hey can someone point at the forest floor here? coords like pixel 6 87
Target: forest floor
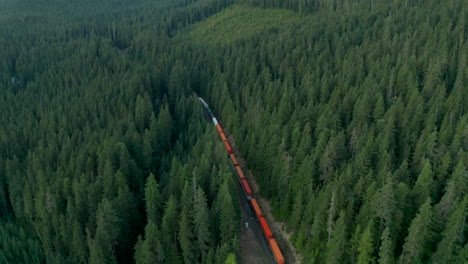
pixel 289 251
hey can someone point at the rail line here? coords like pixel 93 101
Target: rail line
pixel 249 194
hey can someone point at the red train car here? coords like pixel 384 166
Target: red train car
pixel 247 189
pixel 258 212
pixel 240 173
pixel 219 128
pixel 228 147
pixel 223 137
pixel 234 160
pixel 265 227
pixel 276 251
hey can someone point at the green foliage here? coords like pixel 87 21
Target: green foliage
pixel 18 246
pixel 107 231
pixel 201 223
pixel 347 94
pixel 365 247
pixel 186 236
pixel 450 248
pixel 337 244
pixel 152 199
pixel 151 250
pixel 386 250
pixel 350 114
pixel 420 236
pixel 236 24
pixel 92 124
pixel 423 186
pixel 231 259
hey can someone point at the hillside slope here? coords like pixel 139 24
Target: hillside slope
pixel 352 120
pixel 351 116
pixel 238 23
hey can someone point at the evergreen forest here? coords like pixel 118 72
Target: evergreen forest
pixel 350 115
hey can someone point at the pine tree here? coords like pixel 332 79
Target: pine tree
pixel 169 230
pixel 423 187
pixel 147 149
pixel 366 246
pixel 297 210
pixel 420 236
pixel 201 223
pixel 126 206
pixel 143 108
pixel 385 203
pixel 231 259
pixel 163 130
pixel 337 244
pixel 385 207
pixel 386 249
pixel 108 180
pixel 153 199
pixel 354 244
pixel 453 237
pixel 78 244
pixel 331 215
pixel 227 217
pixel 150 250
pixel 108 228
pixel 186 238
pixel 140 251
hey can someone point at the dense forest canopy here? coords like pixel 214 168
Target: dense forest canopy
pixel 98 142
pixel 351 115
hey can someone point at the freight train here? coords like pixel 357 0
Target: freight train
pixel 247 190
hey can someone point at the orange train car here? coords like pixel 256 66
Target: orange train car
pixel 233 159
pixel 276 251
pixel 265 227
pixel 228 147
pixel 219 128
pixel 247 189
pixel 223 137
pixel 258 212
pixel 240 173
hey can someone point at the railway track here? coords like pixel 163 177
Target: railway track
pixel 248 193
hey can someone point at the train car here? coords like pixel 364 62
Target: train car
pixel 223 137
pixel 276 251
pixel 219 128
pixel 265 227
pixel 247 189
pixel 212 115
pixel 204 103
pixel 258 212
pixel 240 173
pixel 228 147
pixel 233 159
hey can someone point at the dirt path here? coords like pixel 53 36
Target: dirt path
pixel 291 255
pixel 279 228
pixel 254 248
